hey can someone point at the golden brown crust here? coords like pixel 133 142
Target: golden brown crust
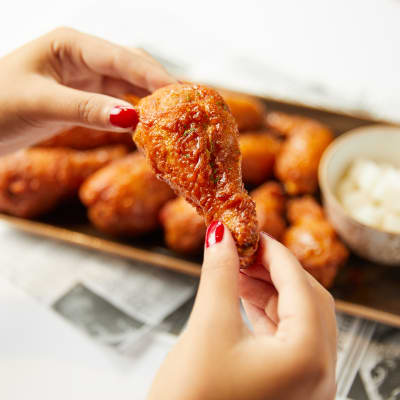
pixel 270 205
pixel 184 228
pixel 34 181
pixel 303 207
pixel 249 112
pixel 297 162
pixel 191 140
pixel 125 197
pixel 259 151
pixel 313 240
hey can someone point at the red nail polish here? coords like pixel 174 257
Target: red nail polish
pixel 124 117
pixel 215 233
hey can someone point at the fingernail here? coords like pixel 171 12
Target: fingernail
pixel 215 233
pixel 124 117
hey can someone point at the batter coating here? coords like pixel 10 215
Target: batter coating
pixel 184 229
pixel 34 181
pixel 271 206
pixel 249 113
pixel 297 162
pixel 313 240
pixel 125 197
pixel 191 140
pixel 259 151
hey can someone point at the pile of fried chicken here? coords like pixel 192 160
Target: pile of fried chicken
pixel 199 151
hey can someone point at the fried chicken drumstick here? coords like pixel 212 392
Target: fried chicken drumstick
pixel 34 181
pixel 184 229
pixel 191 140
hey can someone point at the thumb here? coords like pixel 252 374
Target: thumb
pixel 97 111
pixel 218 295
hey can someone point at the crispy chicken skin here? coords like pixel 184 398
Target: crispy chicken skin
pixel 81 138
pixel 191 140
pixel 271 206
pixel 184 228
pixel 259 151
pixel 34 181
pixel 249 113
pixel 125 197
pixel 297 162
pixel 313 241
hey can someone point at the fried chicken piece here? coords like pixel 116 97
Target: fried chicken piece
pixel 184 229
pixel 191 140
pixel 248 112
pixel 259 151
pixel 303 207
pixel 297 162
pixel 124 198
pixel 34 181
pixel 313 240
pixel 287 124
pixel 270 205
pixel 81 138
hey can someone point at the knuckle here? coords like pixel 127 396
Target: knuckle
pixel 87 110
pixel 115 59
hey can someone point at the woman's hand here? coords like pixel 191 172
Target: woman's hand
pixel 291 353
pixel 70 78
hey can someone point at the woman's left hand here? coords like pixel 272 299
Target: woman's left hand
pixel 70 78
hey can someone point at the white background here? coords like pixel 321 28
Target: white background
pixel 342 54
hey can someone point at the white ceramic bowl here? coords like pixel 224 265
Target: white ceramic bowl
pixel 379 143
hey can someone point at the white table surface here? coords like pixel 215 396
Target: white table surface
pixel 44 357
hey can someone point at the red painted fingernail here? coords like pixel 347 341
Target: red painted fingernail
pixel 124 117
pixel 215 233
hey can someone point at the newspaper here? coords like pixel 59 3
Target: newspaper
pixel 122 304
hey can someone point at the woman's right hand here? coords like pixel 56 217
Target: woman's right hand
pixel 291 353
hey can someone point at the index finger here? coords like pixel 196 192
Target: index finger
pixel 109 59
pixel 297 308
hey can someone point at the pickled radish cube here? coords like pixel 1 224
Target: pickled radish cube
pixel 391 222
pixel 346 187
pixel 368 214
pixel 365 174
pixel 387 188
pixel 354 200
